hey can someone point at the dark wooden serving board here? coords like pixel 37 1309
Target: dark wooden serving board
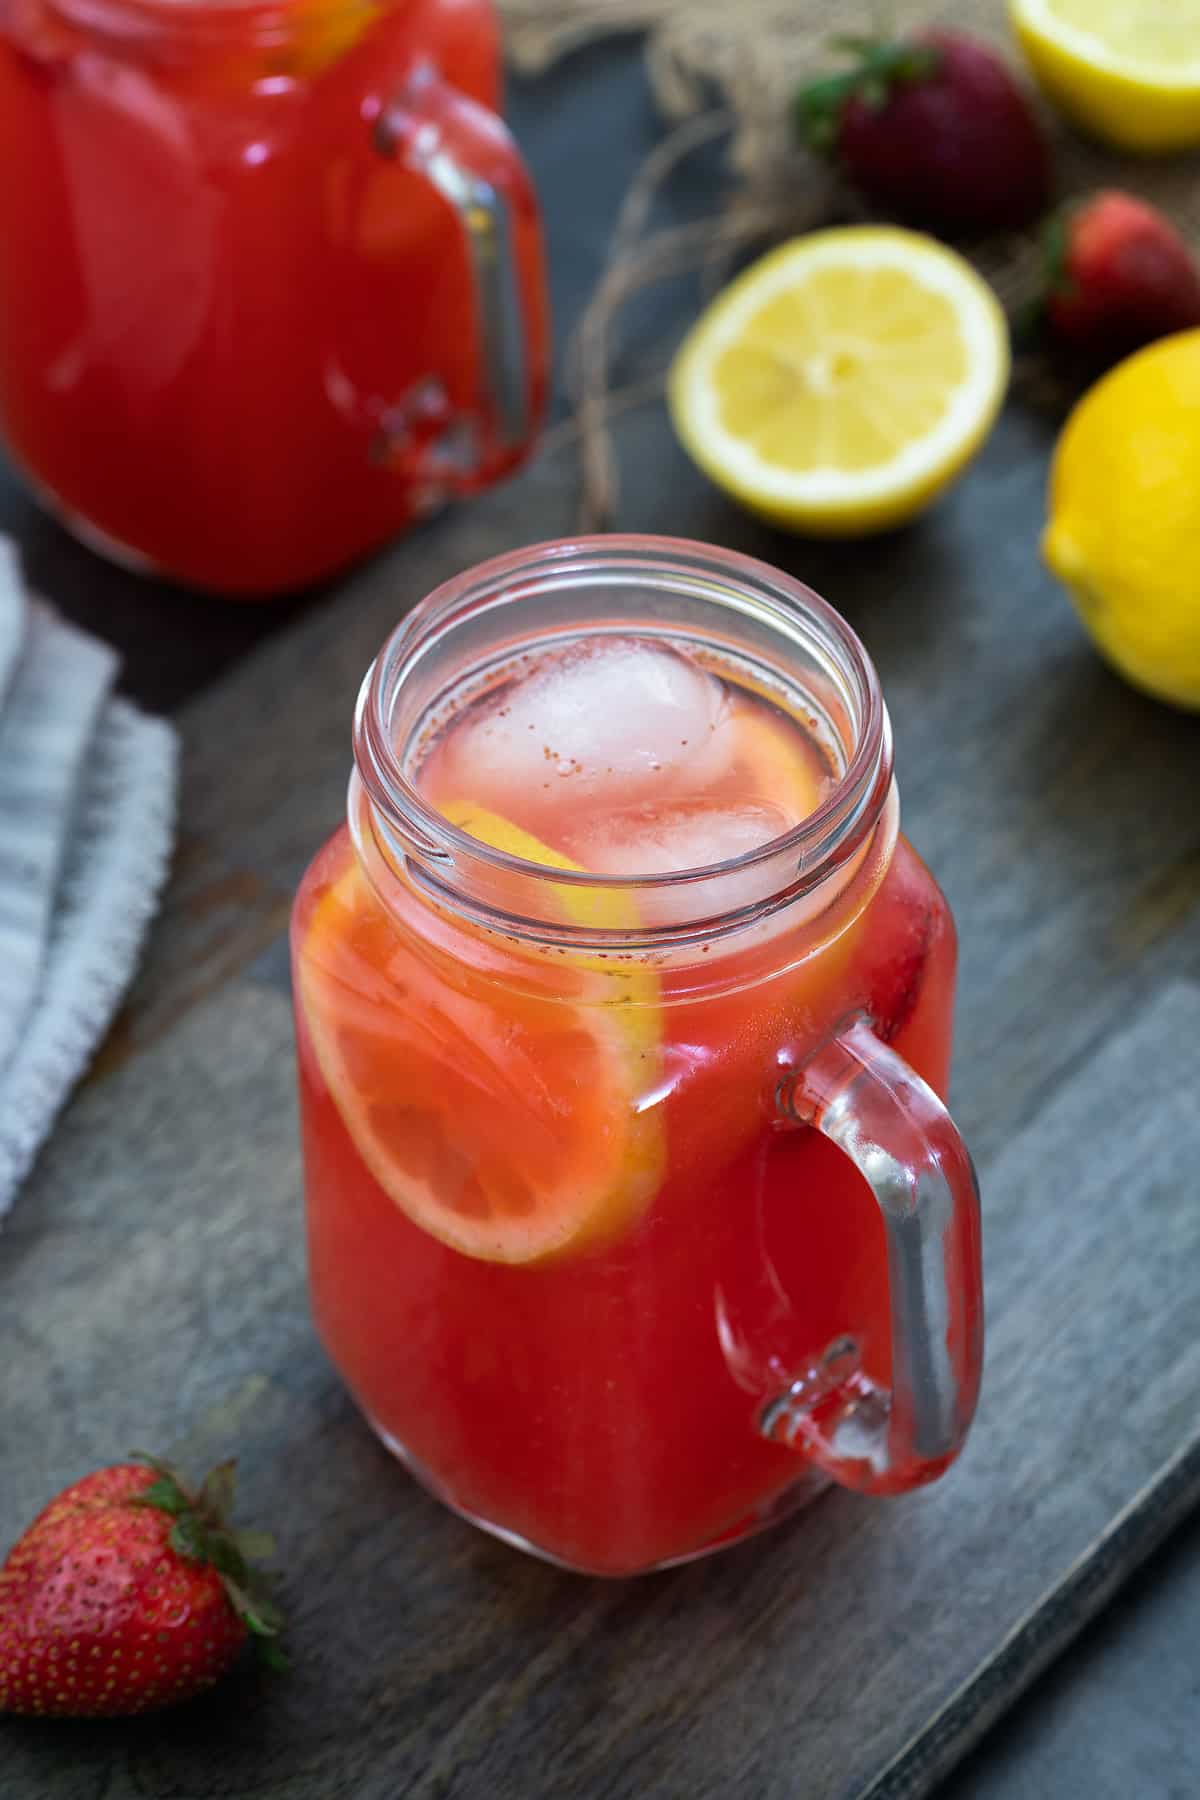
pixel 151 1279
pixel 154 1291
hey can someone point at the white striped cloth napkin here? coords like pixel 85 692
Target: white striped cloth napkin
pixel 87 806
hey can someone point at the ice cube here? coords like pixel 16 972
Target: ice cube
pixel 664 840
pixel 605 723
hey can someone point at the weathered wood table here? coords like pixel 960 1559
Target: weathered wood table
pixel 151 1276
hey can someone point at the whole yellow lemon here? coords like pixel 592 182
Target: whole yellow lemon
pixel 1124 517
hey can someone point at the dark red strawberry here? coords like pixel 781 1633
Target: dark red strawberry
pixel 1118 275
pixel 933 128
pixel 903 947
pixel 129 1591
pixel 897 985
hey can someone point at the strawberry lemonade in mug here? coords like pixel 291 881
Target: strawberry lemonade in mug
pixel 623 1016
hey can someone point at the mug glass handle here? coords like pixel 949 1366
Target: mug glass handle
pixel 465 153
pixel 892 1126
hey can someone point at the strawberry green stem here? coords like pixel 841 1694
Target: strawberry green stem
pixel 879 67
pixel 202 1533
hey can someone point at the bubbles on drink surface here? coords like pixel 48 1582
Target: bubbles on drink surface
pixel 630 757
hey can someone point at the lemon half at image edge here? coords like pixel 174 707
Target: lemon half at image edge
pixel 1123 531
pixel 1126 71
pixel 841 383
pixel 504 1123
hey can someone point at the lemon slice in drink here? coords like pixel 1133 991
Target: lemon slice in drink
pixel 629 989
pixel 772 759
pixel 504 1122
pixel 841 383
pixel 1124 69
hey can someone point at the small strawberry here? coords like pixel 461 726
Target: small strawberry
pixel 896 953
pixel 1118 275
pixel 129 1591
pixel 896 987
pixel 932 128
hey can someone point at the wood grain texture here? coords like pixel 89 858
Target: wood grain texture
pixel 151 1282
pixel 1115 1716
pixel 1052 803
pixel 854 1652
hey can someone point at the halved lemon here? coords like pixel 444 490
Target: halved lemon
pixel 839 384
pixel 1124 69
pixel 504 1123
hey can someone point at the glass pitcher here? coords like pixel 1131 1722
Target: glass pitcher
pixel 270 275
pixel 634 1209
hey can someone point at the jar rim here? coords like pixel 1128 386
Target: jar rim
pixel 821 843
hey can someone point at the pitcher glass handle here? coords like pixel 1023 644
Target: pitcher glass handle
pixel 465 152
pixel 892 1126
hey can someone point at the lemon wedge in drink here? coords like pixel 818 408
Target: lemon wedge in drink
pixel 1123 69
pixel 842 382
pixel 501 1118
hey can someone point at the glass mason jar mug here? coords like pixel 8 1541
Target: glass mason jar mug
pixel 270 275
pixel 623 1012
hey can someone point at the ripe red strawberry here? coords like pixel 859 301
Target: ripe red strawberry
pixel 934 129
pixel 896 986
pixel 896 953
pixel 1118 275
pixel 127 1592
